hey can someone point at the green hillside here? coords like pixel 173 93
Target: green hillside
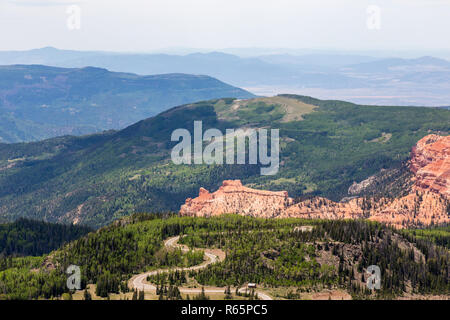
pixel 29 237
pixel 325 147
pixel 38 102
pixel 285 263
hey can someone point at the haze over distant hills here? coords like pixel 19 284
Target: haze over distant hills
pixel 354 77
pixel 38 102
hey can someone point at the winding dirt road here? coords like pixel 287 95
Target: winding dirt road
pixel 139 281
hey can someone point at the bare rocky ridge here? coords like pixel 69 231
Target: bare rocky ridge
pixel 428 202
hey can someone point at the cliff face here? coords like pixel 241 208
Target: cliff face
pixel 428 203
pixel 430 162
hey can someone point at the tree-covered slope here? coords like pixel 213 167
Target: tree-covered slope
pixel 29 237
pixel 329 255
pixel 38 102
pixel 325 147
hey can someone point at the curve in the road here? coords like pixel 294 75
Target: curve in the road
pixel 139 282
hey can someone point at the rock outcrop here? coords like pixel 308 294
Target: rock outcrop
pixel 430 163
pixel 414 210
pixel 233 197
pixel 428 203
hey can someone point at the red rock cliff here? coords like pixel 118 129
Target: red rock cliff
pixel 233 197
pixel 428 203
pixel 430 162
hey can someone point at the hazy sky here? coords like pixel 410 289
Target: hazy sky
pixel 148 25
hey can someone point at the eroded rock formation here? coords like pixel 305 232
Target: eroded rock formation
pixel 233 197
pixel 414 210
pixel 430 162
pixel 428 203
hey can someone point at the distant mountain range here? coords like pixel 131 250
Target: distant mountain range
pixel 38 102
pixel 273 69
pixel 361 79
pixel 423 64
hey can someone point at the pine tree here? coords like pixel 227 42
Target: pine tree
pixel 87 295
pixel 228 295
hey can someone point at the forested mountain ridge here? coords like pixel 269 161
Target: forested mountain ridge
pixel 326 146
pixel 287 258
pixel 38 102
